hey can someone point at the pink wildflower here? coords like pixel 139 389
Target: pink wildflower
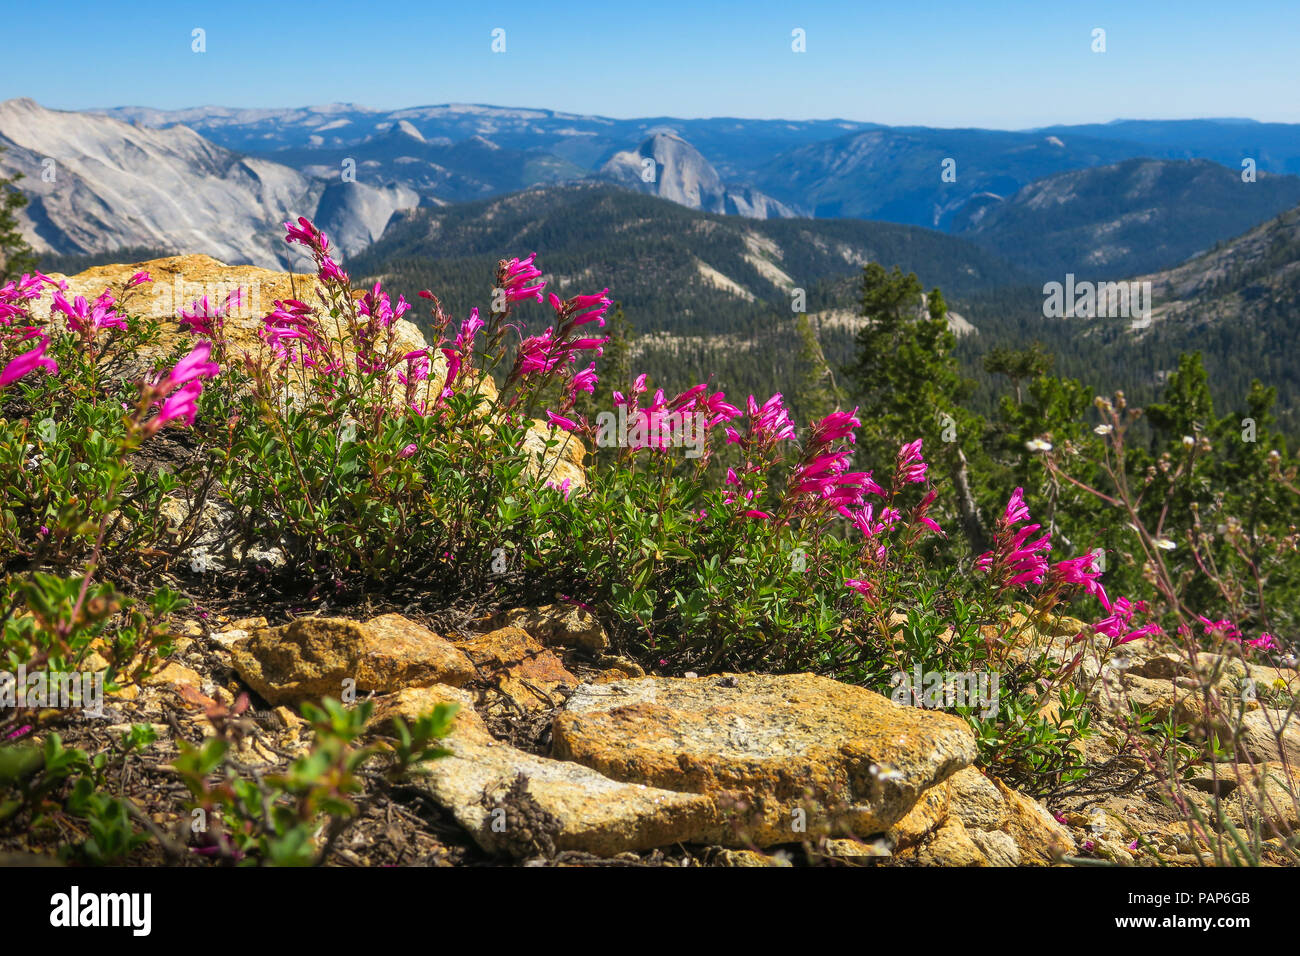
pixel 1265 642
pixel 515 277
pixel 1078 570
pixel 911 467
pixel 180 390
pixel 86 319
pixel 919 514
pixel 203 318
pixel 559 421
pixel 27 363
pixel 1015 561
pixel 1118 625
pixel 583 381
pixel 1221 628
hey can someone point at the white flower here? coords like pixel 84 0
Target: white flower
pixel 1188 441
pixel 1104 429
pixel 1164 544
pixel 1038 444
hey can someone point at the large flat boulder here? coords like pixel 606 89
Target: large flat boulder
pixel 782 756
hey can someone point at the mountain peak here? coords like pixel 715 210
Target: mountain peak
pixel 406 127
pixel 667 166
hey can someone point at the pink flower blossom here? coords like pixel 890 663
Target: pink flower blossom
pixel 581 309
pixel 181 404
pixel 468 329
pixel 28 362
pixel 1221 628
pixel 1118 624
pixel 538 354
pixel 191 368
pixel 1265 642
pixel 86 319
pixel 330 272
pixel 1015 561
pixel 515 277
pixel 1016 510
pixel 306 234
pixel 294 334
pixel 203 318
pixel 919 514
pixel 417 367
pixel 1078 570
pixel 862 587
pixel 911 467
pixel 559 421
pixel 375 304
pixel 719 409
pixel 583 381
pixel 768 424
pixel 836 426
pixel 180 390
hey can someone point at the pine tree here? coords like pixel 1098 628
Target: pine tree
pixel 1019 365
pixel 908 384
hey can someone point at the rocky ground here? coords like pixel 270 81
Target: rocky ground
pixel 562 753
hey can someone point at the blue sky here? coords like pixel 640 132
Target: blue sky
pixel 994 64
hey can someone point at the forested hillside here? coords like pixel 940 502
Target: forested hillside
pixel 673 269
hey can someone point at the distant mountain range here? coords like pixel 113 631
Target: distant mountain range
pixel 1236 279
pixel 830 168
pixel 733 145
pixel 705 230
pixel 1064 198
pixel 1237 304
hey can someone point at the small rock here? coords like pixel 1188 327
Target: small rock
pixel 565 625
pixel 312 657
pixel 949 845
pixel 288 719
pixel 999 848
pixel 174 673
pixel 976 800
pixel 520 667
pixel 847 849
pixel 925 817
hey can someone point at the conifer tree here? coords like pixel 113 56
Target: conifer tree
pixel 908 385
